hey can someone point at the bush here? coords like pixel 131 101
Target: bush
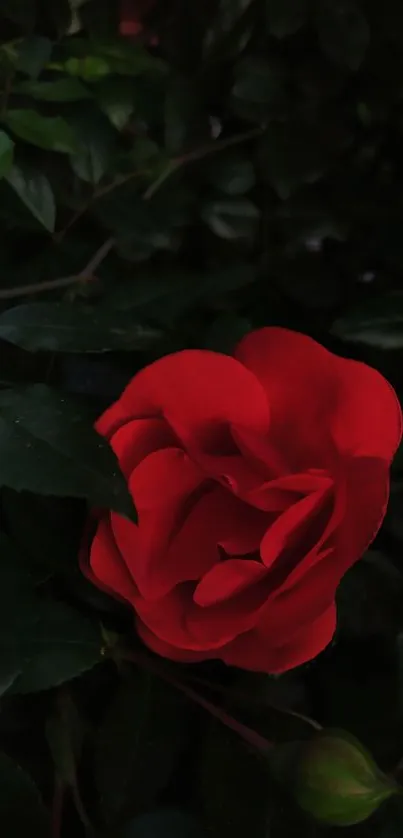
pixel 173 175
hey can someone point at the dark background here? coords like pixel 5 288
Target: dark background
pixel 242 161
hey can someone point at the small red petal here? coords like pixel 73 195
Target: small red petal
pixel 228 579
pixel 260 651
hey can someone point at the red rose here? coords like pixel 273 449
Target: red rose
pixel 258 480
pixel 132 13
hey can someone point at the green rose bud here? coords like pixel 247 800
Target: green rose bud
pixel 338 782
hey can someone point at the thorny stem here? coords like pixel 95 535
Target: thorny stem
pixel 272 704
pixel 63 282
pixel 258 742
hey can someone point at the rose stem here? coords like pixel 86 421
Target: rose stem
pixel 250 736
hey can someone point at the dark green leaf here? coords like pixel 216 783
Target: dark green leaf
pixel 369 598
pixel 35 191
pixel 232 219
pixel 6 154
pixel 22 812
pixel 225 332
pixel 33 54
pixel 131 59
pixel 9 671
pixel 343 32
pixel 22 12
pixel 259 90
pixel 90 68
pixel 14 579
pixel 64 733
pixel 116 98
pixel 172 294
pixel 285 17
pixel 166 823
pixel 48 446
pixel 235 786
pixel 292 154
pixel 140 739
pixel 35 522
pixel 377 322
pixel 68 327
pixel 93 61
pixel 42 643
pixel 228 16
pixel 146 153
pixel 186 123
pixel 63 16
pixel 94 146
pixel 55 644
pixel 232 173
pixel 52 133
pixel 59 90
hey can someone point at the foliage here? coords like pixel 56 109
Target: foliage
pixel 237 164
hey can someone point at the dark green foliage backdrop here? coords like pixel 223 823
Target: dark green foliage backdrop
pixel 246 169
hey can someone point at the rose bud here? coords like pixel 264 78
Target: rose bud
pixel 338 782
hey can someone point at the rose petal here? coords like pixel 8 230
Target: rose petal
pixel 280 494
pixel 138 438
pixel 200 393
pixel 310 389
pixel 227 579
pixel 107 565
pixel 164 477
pixel 297 602
pixel 261 651
pixel 161 486
pixel 288 531
pixel 367 495
pixel 178 621
pixel 166 650
pixel 171 546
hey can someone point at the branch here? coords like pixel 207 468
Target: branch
pixel 252 737
pixel 199 154
pixel 89 270
pixel 57 808
pixel 63 282
pixel 173 166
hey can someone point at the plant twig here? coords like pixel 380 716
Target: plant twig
pixel 173 166
pixel 262 702
pixel 81 811
pixel 199 154
pixel 258 742
pixel 57 808
pixel 120 180
pixel 63 282
pixel 58 237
